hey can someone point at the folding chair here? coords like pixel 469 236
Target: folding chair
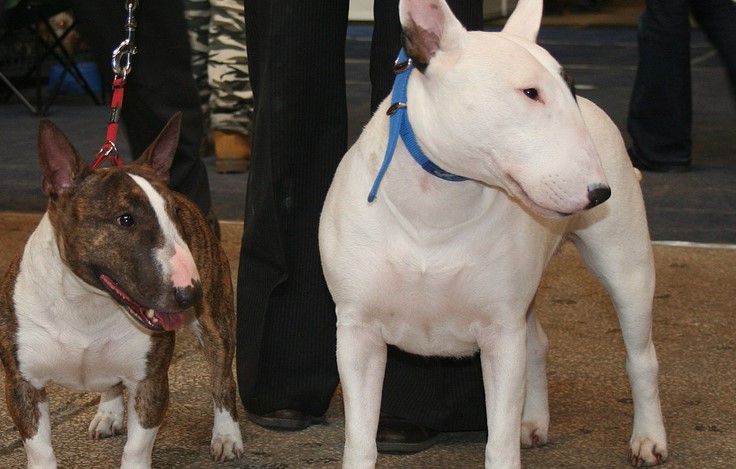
pixel 29 14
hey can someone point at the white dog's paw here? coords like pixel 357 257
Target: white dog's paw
pixel 533 434
pixel 226 447
pixel 647 452
pixel 105 424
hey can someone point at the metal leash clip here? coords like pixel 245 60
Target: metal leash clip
pixel 122 55
pixel 122 63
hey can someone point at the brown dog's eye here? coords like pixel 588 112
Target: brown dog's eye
pixel 126 220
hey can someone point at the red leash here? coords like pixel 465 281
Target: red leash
pixel 121 67
pixel 109 151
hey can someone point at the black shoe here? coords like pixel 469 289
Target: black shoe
pixel 399 436
pixel 657 166
pixel 285 419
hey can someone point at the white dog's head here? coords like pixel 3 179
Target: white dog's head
pixel 505 108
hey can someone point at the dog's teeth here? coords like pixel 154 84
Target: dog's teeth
pixel 150 313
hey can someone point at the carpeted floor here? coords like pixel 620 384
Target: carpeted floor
pixel 589 395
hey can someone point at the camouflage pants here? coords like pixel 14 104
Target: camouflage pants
pixel 220 62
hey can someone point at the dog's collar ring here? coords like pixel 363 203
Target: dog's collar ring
pixel 395 107
pixel 401 67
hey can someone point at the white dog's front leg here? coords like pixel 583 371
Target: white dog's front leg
pixel 139 446
pixel 535 418
pixel 503 358
pixel 361 362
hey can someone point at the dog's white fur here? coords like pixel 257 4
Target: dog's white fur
pixel 447 268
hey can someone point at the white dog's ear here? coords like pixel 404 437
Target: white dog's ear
pixel 428 26
pixel 160 153
pixel 526 19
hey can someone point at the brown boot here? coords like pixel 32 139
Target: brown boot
pixel 232 151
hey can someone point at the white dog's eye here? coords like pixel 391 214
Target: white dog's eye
pixel 532 93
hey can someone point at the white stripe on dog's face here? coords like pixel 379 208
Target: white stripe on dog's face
pixel 175 256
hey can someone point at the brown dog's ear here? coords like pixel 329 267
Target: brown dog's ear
pixel 61 166
pixel 160 153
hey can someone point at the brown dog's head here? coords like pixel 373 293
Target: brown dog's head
pixel 118 229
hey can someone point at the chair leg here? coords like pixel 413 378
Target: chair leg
pixel 17 92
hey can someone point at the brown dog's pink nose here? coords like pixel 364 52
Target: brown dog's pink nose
pixel 597 194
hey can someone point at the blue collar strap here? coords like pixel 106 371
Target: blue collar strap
pixel 399 125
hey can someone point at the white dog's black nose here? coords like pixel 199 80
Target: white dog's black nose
pixel 597 194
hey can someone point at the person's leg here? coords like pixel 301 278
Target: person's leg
pixel 159 85
pixel 717 18
pixel 286 318
pixel 660 111
pixel 197 14
pixel 444 394
pixel 231 101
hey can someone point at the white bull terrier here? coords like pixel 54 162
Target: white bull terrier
pixel 447 261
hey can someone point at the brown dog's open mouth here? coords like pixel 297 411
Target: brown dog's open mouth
pixel 157 321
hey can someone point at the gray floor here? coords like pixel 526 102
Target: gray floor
pixel 591 410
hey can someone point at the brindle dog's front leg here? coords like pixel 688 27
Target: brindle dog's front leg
pixel 147 403
pixel 29 409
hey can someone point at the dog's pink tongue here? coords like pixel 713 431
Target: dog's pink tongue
pixel 171 321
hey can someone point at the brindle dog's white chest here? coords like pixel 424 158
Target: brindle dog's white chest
pixel 69 332
pixel 79 362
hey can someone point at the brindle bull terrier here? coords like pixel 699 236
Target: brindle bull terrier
pixel 116 265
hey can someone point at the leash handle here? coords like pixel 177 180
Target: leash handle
pixel 122 64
